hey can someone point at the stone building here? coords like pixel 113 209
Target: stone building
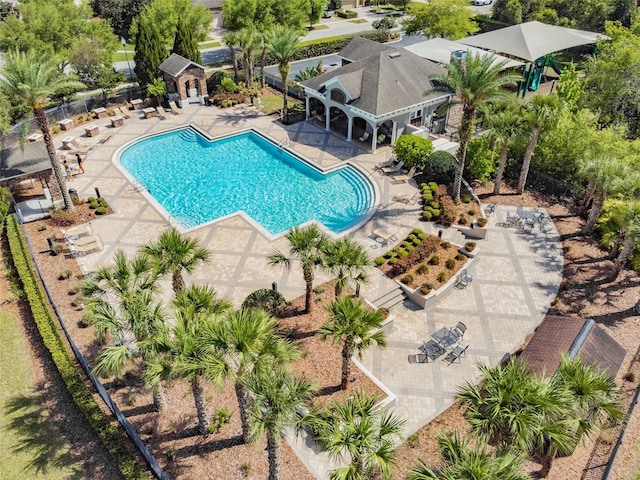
pixel 185 79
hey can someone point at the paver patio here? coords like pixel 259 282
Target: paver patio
pixel 516 275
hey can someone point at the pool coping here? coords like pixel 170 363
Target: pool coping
pixel 115 159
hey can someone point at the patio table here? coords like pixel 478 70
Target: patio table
pixel 445 337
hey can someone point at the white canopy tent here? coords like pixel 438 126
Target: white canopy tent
pixel 440 50
pixel 531 40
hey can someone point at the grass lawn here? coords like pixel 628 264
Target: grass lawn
pixel 120 56
pixel 319 26
pixel 211 44
pixel 358 20
pixel 271 103
pixel 29 445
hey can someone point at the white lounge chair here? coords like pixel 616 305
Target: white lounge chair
pixel 174 108
pixel 122 112
pixel 393 168
pixel 162 113
pixel 406 177
pixel 78 231
pixel 365 136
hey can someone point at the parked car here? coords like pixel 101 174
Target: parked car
pixel 329 13
pixel 482 2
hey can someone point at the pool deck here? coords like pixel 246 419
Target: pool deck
pixel 516 275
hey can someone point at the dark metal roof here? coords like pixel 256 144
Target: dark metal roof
pixel 360 48
pixel 176 64
pixel 21 161
pixel 389 80
pixel 575 336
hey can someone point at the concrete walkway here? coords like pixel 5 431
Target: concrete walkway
pixel 516 275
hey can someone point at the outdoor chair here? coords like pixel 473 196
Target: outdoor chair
pixel 388 163
pixel 174 108
pixel 392 169
pixel 121 112
pixel 463 280
pixel 365 136
pixel 80 147
pixel 512 220
pixel 78 231
pixel 459 330
pixel 432 349
pixel 418 358
pixel 162 113
pixel 455 354
pixel 405 177
pixel 85 240
pixel 489 209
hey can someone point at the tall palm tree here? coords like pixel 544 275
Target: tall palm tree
pixel 32 78
pixel 604 174
pixel 283 43
pixel 476 80
pixel 347 260
pixel 355 327
pixel 360 432
pixel 248 343
pixel 120 300
pixel 513 407
pixel 248 43
pixel 230 39
pixel 505 123
pixel 540 110
pixel 175 254
pixel 305 245
pixel 628 236
pixel 184 353
pixel 465 462
pixel 278 401
pixel 157 88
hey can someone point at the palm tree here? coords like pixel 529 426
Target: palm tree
pixel 32 78
pixel 347 260
pixel 283 43
pixel 305 245
pixel 476 80
pixel 360 432
pixel 355 327
pixel 541 109
pixel 628 236
pixel 464 462
pixel 183 352
pixel 120 301
pixel 595 400
pixel 227 86
pixel 230 39
pixel 505 123
pixel 203 299
pixel 248 41
pixel 514 408
pixel 278 401
pixel 604 174
pixel 248 343
pixel 157 88
pixel 174 253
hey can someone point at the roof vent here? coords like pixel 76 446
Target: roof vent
pixel 394 55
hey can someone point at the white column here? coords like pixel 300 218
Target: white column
pixel 307 107
pixel 374 139
pixel 349 128
pixel 394 131
pixel 327 118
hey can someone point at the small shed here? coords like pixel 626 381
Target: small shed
pixel 574 336
pixel 185 80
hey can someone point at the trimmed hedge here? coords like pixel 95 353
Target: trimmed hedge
pixel 73 378
pixel 347 14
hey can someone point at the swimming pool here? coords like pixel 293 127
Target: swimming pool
pixel 198 181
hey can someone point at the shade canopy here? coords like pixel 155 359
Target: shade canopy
pixel 532 40
pixel 23 161
pixel 440 50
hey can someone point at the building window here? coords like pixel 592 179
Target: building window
pixel 338 96
pixel 416 118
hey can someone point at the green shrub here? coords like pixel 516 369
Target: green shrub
pixel 471 211
pixel 65 274
pixel 427 197
pixel 422 236
pixel 91 199
pixel 462 220
pixel 416 241
pixel 318 289
pixel 393 260
pixel 411 237
pixel 422 269
pixel 380 261
pixel 403 253
pixel 405 244
pixel 417 231
pixel 389 254
pixel 426 215
pixel 460 257
pixel 436 213
pixel 441 166
pixel 409 248
pixel 73 378
pixel 466 198
pixel 434 260
pixel 433 186
pixel 269 300
pixel 412 150
pixel 103 202
pixel 442 277
pixel 450 263
pixel 480 161
pixel 434 205
pixel 446 245
pixel 93 205
pixel 347 14
pixel 407 279
pixel 101 210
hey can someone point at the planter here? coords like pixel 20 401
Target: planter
pixel 470 246
pixel 481 222
pixel 426 289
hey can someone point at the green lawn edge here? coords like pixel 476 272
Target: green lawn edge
pixel 73 378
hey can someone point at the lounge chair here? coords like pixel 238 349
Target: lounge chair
pixel 85 240
pixel 78 231
pixel 162 113
pixel 104 138
pixel 87 248
pixel 365 136
pixel 418 358
pixel 122 112
pixel 392 169
pixel 463 280
pixel 174 108
pixel 455 354
pixel 406 177
pixel 78 147
pixel 388 163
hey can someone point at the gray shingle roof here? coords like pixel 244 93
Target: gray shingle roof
pixel 20 161
pixel 360 48
pixel 176 64
pixel 389 80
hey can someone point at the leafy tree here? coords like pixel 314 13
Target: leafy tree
pixel 264 14
pixel 360 432
pixel 584 14
pixel 283 44
pixel 31 78
pixel 347 260
pixel 481 160
pixel 306 246
pixel 355 327
pixel 384 23
pixel 540 111
pixel 465 462
pixel 175 254
pixel 5 112
pixel 441 18
pixel 278 400
pixel 475 81
pixel 316 7
pixel 441 167
pixel 158 89
pixel 249 345
pixel 414 151
pixel 150 51
pixel 119 13
pixel 91 60
pixel 570 87
pixel 184 43
pixel 232 41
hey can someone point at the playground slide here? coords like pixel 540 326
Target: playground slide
pixel 554 65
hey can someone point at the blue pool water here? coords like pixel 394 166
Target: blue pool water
pixel 198 181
